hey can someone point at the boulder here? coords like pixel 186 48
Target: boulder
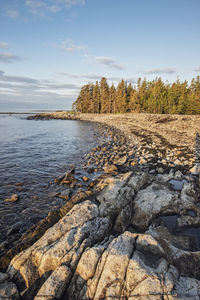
pixel 62 244
pixel 130 266
pixel 157 199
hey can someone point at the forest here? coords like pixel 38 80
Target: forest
pixel 153 96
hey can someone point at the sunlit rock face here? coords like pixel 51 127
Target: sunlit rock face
pixel 119 244
pixel 130 266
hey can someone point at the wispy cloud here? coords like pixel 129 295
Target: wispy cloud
pixel 103 60
pixel 159 71
pixel 9 57
pixel 94 77
pixel 70 46
pixel 108 61
pixel 11 13
pixel 20 85
pixel 41 8
pixel 4 45
pixel 70 3
pixel 197 69
pixel 82 76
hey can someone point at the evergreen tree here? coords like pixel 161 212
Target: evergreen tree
pixel 121 99
pixel 147 96
pixel 104 92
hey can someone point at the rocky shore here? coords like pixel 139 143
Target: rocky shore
pixel 130 231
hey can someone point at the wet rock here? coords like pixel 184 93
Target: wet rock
pixel 65 194
pixel 53 194
pixel 14 228
pixel 60 178
pixel 13 198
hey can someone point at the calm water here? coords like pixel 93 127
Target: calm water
pixel 32 154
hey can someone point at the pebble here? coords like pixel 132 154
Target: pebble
pixel 13 198
pixel 160 170
pixel 110 168
pixel 85 178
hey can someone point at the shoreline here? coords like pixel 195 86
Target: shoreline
pixel 123 159
pixel 164 136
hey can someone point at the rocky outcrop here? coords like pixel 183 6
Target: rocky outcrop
pixel 118 244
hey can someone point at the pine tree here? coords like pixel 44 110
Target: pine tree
pixel 104 92
pixel 121 99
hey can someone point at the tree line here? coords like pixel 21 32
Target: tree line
pixel 153 96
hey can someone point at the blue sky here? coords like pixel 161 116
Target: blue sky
pixel 50 48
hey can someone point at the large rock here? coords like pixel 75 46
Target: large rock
pixel 89 254
pixel 131 266
pixel 62 244
pixel 157 199
pixel 116 198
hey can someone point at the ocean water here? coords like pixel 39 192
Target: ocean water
pixel 32 154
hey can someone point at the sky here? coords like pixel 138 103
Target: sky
pixel 50 48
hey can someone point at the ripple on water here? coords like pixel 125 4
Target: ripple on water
pixel 32 154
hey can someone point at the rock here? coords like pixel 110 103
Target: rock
pixel 129 266
pixel 62 244
pixel 14 228
pixel 142 161
pixel 8 291
pixel 177 162
pixel 85 178
pixel 55 285
pixel 133 163
pixel 91 170
pixel 121 161
pixel 157 199
pixel 160 170
pixel 110 169
pixel 53 194
pixel 13 198
pixel 116 198
pixel 195 170
pixel 65 194
pixel 60 178
pixel 3 277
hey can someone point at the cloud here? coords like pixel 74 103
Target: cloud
pixel 159 71
pixel 69 46
pixel 70 3
pixel 82 76
pixel 54 8
pixel 108 61
pixel 41 8
pixel 197 69
pixel 12 13
pixel 3 45
pixel 8 57
pixel 28 86
pixel 98 77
